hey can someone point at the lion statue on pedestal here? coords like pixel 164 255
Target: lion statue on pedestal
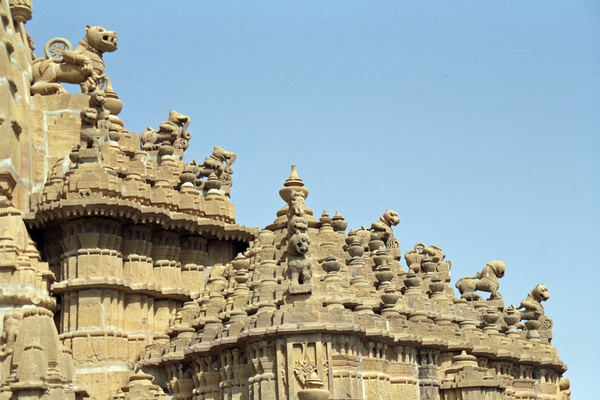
pixel 485 281
pixel 172 132
pixel 83 66
pixel 532 306
pixel 383 227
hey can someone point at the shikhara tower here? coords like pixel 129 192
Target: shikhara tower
pixel 124 275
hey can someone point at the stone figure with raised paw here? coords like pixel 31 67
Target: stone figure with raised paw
pixel 83 66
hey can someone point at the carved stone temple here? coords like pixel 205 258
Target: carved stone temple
pixel 125 275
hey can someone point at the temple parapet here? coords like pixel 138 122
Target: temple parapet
pixel 124 275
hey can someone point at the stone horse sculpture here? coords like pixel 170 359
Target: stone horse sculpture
pixel 83 66
pixel 486 281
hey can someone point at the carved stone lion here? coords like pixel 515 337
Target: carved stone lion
pixel 297 224
pixel 532 306
pixel 173 132
pixel 214 163
pixel 485 281
pixel 384 228
pixel 89 133
pixel 298 258
pixel 83 66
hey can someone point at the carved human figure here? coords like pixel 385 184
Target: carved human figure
pixel 486 281
pixel 83 66
pixel 12 323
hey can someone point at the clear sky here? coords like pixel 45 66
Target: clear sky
pixel 477 121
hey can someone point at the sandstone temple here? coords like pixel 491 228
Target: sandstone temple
pixel 125 275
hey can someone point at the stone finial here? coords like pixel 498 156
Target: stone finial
pixel 293 183
pixel 338 223
pixel 486 281
pixel 22 10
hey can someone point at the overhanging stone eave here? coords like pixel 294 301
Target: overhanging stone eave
pixel 52 213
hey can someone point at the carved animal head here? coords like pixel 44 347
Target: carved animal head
pixel 89 115
pixel 299 244
pixel 438 252
pixel 98 98
pixel 391 218
pixel 297 224
pixel 498 267
pixel 540 293
pixel 177 118
pixel 100 39
pixel 296 196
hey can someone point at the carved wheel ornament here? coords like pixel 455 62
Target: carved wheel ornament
pixel 55 48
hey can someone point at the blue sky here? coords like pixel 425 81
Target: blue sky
pixel 476 121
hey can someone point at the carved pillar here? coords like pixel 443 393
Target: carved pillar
pixel 374 370
pixel 343 367
pixel 427 370
pixel 402 373
pixel 22 11
pixel 136 248
pixel 165 255
pixel 193 257
pixel 53 250
pixel 93 302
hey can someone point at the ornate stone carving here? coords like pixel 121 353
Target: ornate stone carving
pixel 213 165
pixel 172 132
pixel 83 66
pixel 384 227
pixel 299 261
pixel 11 325
pixel 427 259
pixel 148 279
pixel 533 309
pixel 381 230
pixel 89 133
pixel 486 281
